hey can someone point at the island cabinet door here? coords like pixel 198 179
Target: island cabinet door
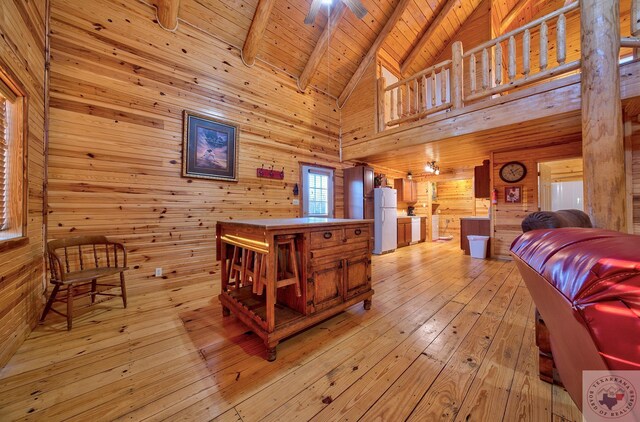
pixel 358 276
pixel 325 286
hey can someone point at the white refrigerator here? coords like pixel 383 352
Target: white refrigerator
pixel 385 214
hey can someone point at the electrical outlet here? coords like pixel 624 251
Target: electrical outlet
pixel 295 202
pixel 158 272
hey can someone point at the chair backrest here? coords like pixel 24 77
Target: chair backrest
pixel 83 252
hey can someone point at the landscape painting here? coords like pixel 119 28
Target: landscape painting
pixel 210 148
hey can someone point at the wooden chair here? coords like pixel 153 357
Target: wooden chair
pixel 78 261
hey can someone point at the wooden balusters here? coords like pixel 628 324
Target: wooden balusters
pixel 472 73
pixel 457 75
pixel 392 105
pixel 443 86
pixel 433 88
pixel 382 110
pixel 498 66
pixel 512 59
pixel 485 69
pixel 424 93
pixel 561 40
pixel 544 31
pixel 526 53
pixel 416 96
pixel 407 99
pixel 635 24
pixel 399 102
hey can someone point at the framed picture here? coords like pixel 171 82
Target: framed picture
pixel 209 148
pixel 513 194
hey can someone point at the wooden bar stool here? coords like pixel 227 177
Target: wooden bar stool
pixel 287 273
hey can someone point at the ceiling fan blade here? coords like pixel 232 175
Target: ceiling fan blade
pixel 356 7
pixel 313 11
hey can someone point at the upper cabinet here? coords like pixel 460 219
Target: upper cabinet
pixel 482 180
pixel 407 190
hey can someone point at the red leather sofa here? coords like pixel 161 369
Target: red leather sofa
pixel 586 285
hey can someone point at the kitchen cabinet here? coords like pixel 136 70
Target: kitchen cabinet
pixel 482 180
pixel 358 192
pixel 480 226
pixel 407 190
pixel 404 231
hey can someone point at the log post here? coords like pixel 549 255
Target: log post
pixel 602 132
pixel 167 14
pixel 382 109
pixel 635 24
pixel 457 76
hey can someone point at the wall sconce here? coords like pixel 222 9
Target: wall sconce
pixel 295 190
pixel 409 176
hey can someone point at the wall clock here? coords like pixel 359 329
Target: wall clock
pixel 513 171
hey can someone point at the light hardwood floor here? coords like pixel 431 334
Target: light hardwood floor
pixel 448 338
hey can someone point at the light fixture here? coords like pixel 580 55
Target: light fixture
pixel 409 176
pixel 327 2
pixel 432 167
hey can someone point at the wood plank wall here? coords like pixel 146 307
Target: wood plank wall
pixel 119 84
pixel 508 217
pixel 22 46
pixel 359 112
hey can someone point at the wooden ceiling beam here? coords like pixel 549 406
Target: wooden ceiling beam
pixel 321 46
pixel 256 31
pixel 513 13
pixel 391 23
pixel 167 14
pixel 431 29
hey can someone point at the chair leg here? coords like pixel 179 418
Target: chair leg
pixel 123 289
pixel 69 306
pixel 52 298
pixel 93 291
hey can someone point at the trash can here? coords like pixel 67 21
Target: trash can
pixel 478 246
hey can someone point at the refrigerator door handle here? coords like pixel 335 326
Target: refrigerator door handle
pixel 383 214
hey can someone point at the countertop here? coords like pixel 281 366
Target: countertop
pixel 475 218
pixel 282 223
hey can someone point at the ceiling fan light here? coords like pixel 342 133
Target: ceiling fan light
pixel 437 172
pixel 327 2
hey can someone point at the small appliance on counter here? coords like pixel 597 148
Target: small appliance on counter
pixel 411 211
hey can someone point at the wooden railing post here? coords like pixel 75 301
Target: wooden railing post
pixel 457 76
pixel 635 24
pixel 382 109
pixel 602 133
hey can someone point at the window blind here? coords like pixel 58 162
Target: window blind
pixel 3 163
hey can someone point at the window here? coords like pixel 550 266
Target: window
pixel 12 159
pixel 317 188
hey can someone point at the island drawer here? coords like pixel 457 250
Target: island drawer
pixel 327 237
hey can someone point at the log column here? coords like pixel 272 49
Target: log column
pixel 602 132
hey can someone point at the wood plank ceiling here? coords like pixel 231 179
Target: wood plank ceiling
pixel 288 44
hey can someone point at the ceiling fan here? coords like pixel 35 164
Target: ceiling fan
pixel 356 7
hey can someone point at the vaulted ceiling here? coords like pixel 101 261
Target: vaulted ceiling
pixel 288 44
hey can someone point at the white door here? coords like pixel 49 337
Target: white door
pixel 317 192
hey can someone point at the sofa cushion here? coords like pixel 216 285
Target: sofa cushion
pixel 555 219
pixel 598 272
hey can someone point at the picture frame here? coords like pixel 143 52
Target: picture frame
pixel 513 194
pixel 209 148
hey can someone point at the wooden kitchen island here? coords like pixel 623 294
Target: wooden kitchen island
pixel 333 261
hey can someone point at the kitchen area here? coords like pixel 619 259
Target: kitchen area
pixel 411 210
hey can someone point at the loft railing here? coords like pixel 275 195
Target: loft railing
pixel 413 98
pixel 528 73
pixel 442 86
